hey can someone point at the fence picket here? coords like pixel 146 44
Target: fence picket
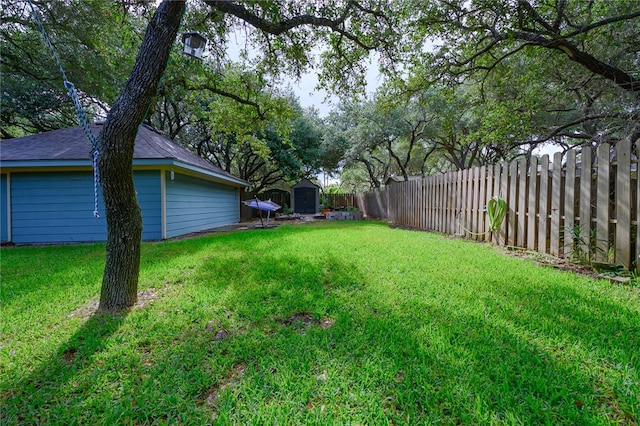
pixel 512 203
pixel 423 202
pixel 496 192
pixel 556 212
pixel 522 203
pixel 463 202
pixel 569 202
pixel 432 207
pixel 473 222
pixel 482 202
pixel 432 197
pixel 459 196
pixel 451 202
pixel 532 208
pixel 469 206
pixel 623 203
pixel 441 198
pixel 602 204
pixel 543 206
pixel 445 203
pixel 504 191
pixel 585 198
pixel 488 195
pixel 455 181
pixel 418 203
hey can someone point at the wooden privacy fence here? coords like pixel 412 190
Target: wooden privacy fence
pixel 551 207
pixel 373 204
pixel 340 200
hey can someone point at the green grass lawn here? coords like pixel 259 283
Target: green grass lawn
pixel 341 323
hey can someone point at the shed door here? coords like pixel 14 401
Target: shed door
pixel 305 200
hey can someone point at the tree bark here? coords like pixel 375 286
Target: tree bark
pixel 116 143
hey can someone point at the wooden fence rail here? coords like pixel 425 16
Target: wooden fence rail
pixel 552 207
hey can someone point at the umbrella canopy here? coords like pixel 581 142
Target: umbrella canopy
pixel 265 206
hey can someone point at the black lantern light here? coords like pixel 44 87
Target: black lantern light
pixel 194 44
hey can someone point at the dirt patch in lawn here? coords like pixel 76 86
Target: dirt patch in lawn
pixel 211 396
pixel 304 320
pixel 217 331
pixel 144 298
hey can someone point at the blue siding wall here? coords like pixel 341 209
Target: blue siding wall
pixel 4 205
pixel 58 207
pixel 195 205
pixel 149 190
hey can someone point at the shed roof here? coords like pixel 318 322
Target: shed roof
pixel 305 183
pixel 395 179
pixel 68 147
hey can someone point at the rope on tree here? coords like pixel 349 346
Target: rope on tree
pixel 82 118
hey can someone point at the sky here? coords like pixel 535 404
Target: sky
pixel 306 88
pixel 310 96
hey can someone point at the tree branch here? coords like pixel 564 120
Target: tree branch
pixel 278 28
pixel 261 113
pixel 618 76
pixel 586 28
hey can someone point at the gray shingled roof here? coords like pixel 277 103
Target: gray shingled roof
pixel 72 144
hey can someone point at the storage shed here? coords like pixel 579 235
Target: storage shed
pixel 305 197
pixel 47 189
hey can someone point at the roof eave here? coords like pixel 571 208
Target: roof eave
pixel 215 176
pixel 26 165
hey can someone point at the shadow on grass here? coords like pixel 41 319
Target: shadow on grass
pixel 55 388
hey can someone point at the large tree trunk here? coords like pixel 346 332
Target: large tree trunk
pixel 116 142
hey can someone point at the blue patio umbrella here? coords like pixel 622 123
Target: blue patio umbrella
pixel 264 206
